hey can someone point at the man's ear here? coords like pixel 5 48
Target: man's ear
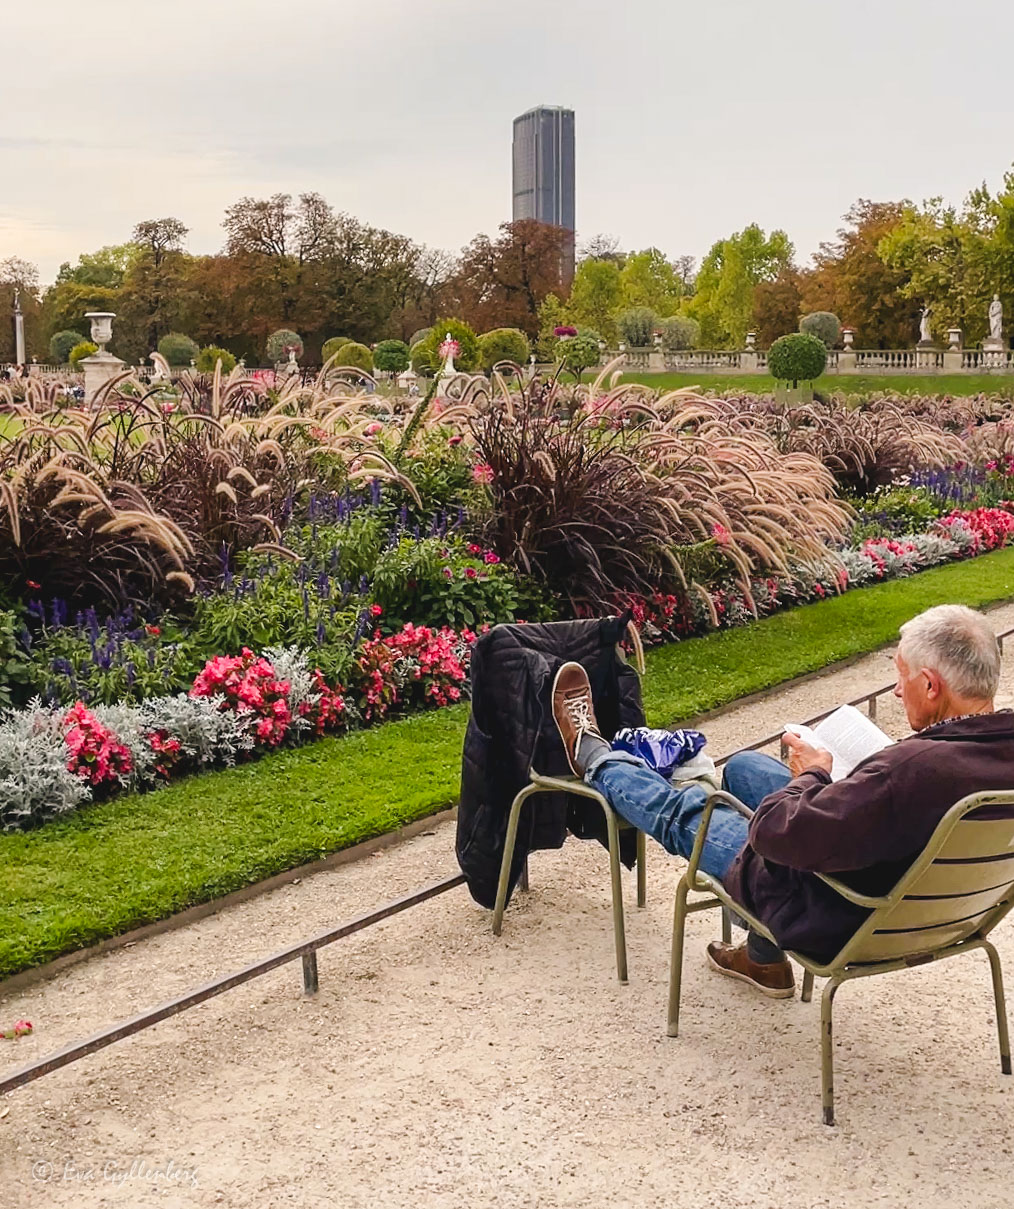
pixel 934 685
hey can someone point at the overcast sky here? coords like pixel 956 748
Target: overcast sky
pixel 692 119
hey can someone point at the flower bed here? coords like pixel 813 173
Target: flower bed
pixel 55 760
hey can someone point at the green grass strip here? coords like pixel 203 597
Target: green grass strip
pixel 838 384
pixel 139 858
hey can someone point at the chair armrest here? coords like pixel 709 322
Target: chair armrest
pixel 853 896
pixel 718 798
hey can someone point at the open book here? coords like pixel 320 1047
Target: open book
pixel 847 734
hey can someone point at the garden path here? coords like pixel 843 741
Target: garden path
pixel 440 1066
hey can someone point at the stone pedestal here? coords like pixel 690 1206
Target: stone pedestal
pixel 98 369
pixel 847 360
pixel 656 361
pixel 952 360
pixel 748 361
pixel 926 354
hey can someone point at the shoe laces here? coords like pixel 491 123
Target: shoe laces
pixel 579 710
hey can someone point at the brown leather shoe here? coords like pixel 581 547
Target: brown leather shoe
pixel 775 980
pixel 573 710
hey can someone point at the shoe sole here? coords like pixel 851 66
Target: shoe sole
pixel 771 992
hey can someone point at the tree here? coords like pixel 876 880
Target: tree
pixel 160 237
pixel 724 299
pixel 822 324
pixel 776 306
pixel 797 358
pixel 851 278
pixel 80 351
pixel 502 282
pixel 332 345
pixel 680 332
pixel 61 343
pixel 649 280
pixel 280 343
pixel 209 356
pixel 358 356
pixel 596 295
pixel 65 305
pixel 637 326
pixel 580 352
pixel 178 349
pixel 603 247
pixel 503 344
pixel 391 356
pixel 107 267
pixel 552 314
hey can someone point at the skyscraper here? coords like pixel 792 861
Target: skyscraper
pixel 543 186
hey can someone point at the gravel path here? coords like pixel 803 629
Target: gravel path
pixel 440 1066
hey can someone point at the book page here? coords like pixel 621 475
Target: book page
pixel 850 737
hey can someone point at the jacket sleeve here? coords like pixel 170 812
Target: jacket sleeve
pixel 817 825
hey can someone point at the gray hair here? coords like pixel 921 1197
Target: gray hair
pixel 959 645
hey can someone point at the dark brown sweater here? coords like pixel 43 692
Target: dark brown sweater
pixel 866 829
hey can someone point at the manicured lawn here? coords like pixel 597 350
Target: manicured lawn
pixel 139 858
pixel 850 384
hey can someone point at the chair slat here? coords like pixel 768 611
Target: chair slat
pixel 933 912
pixel 972 839
pixel 964 878
pixel 887 946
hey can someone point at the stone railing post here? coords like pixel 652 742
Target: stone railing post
pixel 847 356
pixel 748 357
pixel 952 354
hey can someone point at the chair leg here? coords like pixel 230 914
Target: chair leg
pixel 524 881
pixel 807 992
pixel 726 926
pixel 827 1051
pixel 1001 1006
pixel 642 872
pixel 508 856
pixel 679 925
pixel 619 934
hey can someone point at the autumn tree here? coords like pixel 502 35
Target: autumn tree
pixel 851 279
pixel 501 282
pixel 776 307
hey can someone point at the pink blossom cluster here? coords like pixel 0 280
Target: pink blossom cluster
pixel 249 686
pixel 21 1028
pixel 96 755
pixel 1003 465
pixel 991 528
pixel 328 711
pixel 419 666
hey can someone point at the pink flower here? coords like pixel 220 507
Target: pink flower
pixel 455 440
pixel 376 610
pixel 372 429
pixel 491 558
pixel 470 572
pixel 721 535
pixel 449 348
pixel 482 472
pixel 474 549
pixel 448 573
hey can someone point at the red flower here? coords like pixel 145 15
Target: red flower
pixel 376 610
pixel 455 440
pixel 470 572
pixel 490 558
pixel 154 630
pixel 474 549
pixel 482 472
pixel 35 587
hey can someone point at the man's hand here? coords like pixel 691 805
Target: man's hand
pixel 803 757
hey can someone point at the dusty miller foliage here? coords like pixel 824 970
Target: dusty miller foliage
pixel 35 783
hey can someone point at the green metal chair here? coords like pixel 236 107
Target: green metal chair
pixel 953 896
pixel 614 825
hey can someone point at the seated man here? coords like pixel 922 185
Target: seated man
pixel 866 829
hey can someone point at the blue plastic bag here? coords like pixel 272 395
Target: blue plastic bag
pixel 662 750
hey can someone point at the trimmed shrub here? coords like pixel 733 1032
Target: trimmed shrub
pixel 822 324
pixel 210 355
pixel 637 325
pixel 503 344
pixel 680 332
pixel 80 351
pixel 797 358
pixel 356 355
pixel 419 358
pixel 61 344
pixel 391 356
pixel 178 349
pixel 279 343
pixel 579 352
pixel 419 336
pixel 333 345
pixel 468 357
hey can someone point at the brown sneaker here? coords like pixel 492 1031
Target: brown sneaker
pixel 775 980
pixel 573 710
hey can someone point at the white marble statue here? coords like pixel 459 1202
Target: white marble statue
pixel 996 318
pixel 924 327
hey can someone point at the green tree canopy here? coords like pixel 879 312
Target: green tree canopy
pixel 724 299
pixel 596 295
pixel 649 280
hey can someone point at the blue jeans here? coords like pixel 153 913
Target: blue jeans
pixel 671 813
